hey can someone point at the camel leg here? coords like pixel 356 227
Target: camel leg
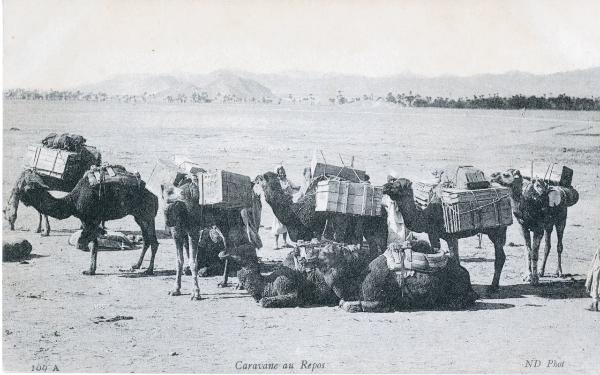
pixel 194 236
pixel 153 246
pixel 46 233
pixel 548 238
pixel 499 239
pixel 93 246
pixel 177 237
pixel 224 283
pixel 527 238
pixel 153 251
pixel 186 245
pixel 453 247
pixel 138 265
pixel 560 230
pixel 535 249
pixel 434 241
pixel 39 227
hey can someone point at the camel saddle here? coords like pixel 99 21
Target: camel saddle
pixel 403 258
pixel 114 174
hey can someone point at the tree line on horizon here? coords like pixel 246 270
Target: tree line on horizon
pixel 561 102
pixel 495 101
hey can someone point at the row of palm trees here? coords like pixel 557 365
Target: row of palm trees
pixel 495 101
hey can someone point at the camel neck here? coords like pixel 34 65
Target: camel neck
pixel 281 204
pixel 409 210
pixel 58 208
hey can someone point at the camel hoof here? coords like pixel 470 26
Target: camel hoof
pixel 351 307
pixel 149 272
pixel 223 285
pixel 559 274
pixel 175 292
pixel 135 267
pixel 196 295
pixel 187 271
pixel 89 272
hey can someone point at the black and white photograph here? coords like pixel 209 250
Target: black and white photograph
pixel 282 187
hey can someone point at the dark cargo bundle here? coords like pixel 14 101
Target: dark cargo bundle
pixel 560 194
pixel 65 141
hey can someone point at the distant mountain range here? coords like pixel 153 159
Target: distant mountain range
pixel 582 83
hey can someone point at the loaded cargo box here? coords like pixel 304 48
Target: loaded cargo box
pixel 344 173
pixel 424 193
pixel 170 172
pixel 226 189
pixel 466 210
pixel 57 163
pixel 348 198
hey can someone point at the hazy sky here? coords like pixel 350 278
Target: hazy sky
pixel 63 43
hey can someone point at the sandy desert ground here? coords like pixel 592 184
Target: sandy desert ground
pixel 51 311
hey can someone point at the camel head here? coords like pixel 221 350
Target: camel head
pixel 27 186
pixel 267 183
pixel 244 255
pixel 398 189
pixel 510 178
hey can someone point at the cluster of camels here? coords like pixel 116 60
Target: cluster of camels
pixel 365 285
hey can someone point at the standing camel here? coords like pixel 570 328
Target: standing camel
pixel 304 223
pixel 531 207
pixel 94 204
pixel 90 157
pixel 210 229
pixel 430 220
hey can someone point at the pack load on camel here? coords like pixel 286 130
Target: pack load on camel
pixel 62 157
pixel 553 173
pixel 224 189
pixel 468 200
pixel 176 171
pixel 353 198
pixel 114 174
pixel 560 190
pixel 344 189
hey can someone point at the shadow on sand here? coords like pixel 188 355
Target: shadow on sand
pixel 476 260
pixel 546 289
pixel 137 274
